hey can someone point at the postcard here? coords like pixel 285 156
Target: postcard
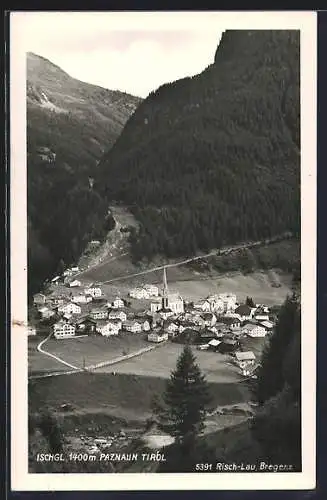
pixel 163 250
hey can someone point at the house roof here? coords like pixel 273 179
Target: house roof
pixel 189 331
pixel 207 334
pixel 245 356
pixel 84 319
pixel 62 322
pixel 102 322
pixel 267 324
pixel 243 310
pixel 98 309
pixel 132 322
pixel 207 316
pixel 116 312
pixel 229 321
pixel 229 341
pixel 251 327
pixel 214 342
pixel 248 324
pixel 158 333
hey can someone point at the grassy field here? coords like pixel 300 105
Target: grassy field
pixel 38 362
pixel 89 350
pixel 160 362
pixel 98 391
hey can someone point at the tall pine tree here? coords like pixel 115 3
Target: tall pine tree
pixel 185 399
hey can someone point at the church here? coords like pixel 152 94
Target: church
pixel 169 304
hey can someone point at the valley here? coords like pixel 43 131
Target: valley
pixel 177 231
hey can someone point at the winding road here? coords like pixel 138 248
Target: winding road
pixel 46 353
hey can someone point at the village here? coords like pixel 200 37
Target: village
pixel 217 323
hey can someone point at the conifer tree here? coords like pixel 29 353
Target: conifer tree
pixel 271 376
pixel 185 400
pixel 50 429
pixel 249 302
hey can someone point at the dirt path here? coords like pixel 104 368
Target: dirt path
pixel 46 353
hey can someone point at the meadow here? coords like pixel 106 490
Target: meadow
pixel 217 368
pixel 89 350
pixel 124 395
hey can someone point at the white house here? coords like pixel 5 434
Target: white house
pixel 81 299
pixel 67 272
pixel 244 312
pixel 203 305
pixel 157 337
pixel 261 315
pixel 268 325
pixel 108 327
pixel 117 303
pixel 75 283
pixel 55 280
pixel 70 308
pixel 145 325
pixel 133 326
pixel 152 290
pixel 63 329
pixel 39 299
pixel 229 301
pixel 139 293
pixel 245 360
pixel 75 269
pixel 94 291
pixel 118 314
pixel 99 313
pixel 216 304
pixel 46 312
pixel 57 301
pixel 214 343
pixel 255 331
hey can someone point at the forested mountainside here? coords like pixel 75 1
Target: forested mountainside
pixel 214 159
pixel 69 126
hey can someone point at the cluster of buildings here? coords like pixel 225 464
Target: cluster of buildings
pixel 217 322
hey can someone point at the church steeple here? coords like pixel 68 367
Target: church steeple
pixel 165 285
pixel 165 290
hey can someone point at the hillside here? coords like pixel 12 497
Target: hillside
pixel 69 126
pixel 214 159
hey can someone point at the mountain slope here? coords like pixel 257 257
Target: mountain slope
pixel 69 125
pixel 215 158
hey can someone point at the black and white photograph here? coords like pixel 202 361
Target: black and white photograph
pixel 163 250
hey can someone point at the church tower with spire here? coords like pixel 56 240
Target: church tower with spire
pixel 165 301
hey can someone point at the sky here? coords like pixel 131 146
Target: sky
pixel 128 53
